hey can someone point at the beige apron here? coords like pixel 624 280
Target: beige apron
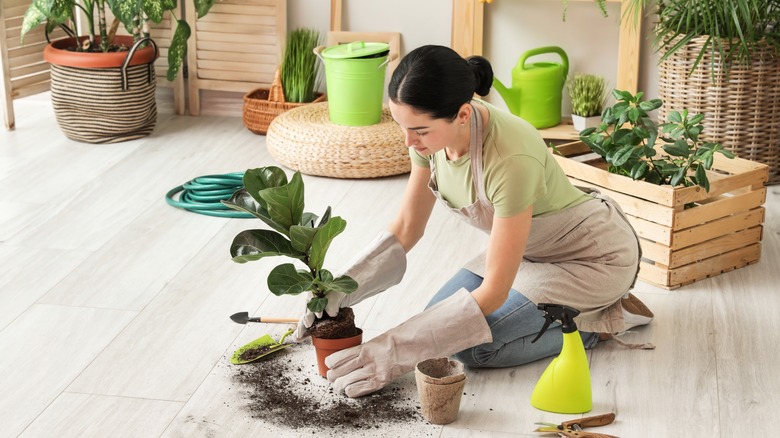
pixel 586 257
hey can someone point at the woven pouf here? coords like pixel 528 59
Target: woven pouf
pixel 305 139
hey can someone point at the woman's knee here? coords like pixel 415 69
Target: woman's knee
pixel 463 279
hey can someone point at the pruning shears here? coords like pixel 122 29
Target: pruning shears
pixel 574 428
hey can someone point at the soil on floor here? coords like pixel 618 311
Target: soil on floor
pixel 281 393
pixel 342 326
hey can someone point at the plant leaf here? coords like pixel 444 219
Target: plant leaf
pixel 639 169
pixel 678 149
pixel 674 117
pixel 317 304
pixel 325 217
pixel 301 237
pixel 678 177
pixel 285 203
pixel 32 19
pixel 203 6
pixel 623 154
pixel 250 245
pixel 701 178
pixel 322 240
pixel 286 280
pixel 344 284
pixel 256 180
pixel 241 201
pixel 178 48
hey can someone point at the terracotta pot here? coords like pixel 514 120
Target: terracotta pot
pixel 56 53
pixel 326 347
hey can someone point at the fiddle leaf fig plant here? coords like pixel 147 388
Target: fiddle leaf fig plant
pixel 294 233
pixel 626 139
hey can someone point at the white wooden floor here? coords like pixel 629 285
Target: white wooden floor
pixel 114 306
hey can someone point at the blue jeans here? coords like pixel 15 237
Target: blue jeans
pixel 514 325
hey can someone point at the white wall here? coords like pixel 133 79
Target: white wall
pixel 511 28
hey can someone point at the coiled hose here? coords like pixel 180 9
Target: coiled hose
pixel 203 194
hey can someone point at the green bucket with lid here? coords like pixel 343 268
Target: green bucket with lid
pixel 355 81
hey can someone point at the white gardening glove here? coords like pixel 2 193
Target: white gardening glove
pixel 447 327
pixel 380 265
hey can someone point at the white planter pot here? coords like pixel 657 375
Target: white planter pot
pixel 582 123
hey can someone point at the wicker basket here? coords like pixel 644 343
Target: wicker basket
pixel 742 111
pixel 305 139
pixel 262 105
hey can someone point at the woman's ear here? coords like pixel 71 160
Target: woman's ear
pixel 464 113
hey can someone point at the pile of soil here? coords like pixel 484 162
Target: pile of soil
pixel 338 327
pixel 281 393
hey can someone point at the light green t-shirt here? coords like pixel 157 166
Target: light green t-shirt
pixel 518 168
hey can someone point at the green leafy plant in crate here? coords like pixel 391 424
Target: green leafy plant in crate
pixel 626 139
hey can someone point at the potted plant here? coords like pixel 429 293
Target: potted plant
pixel 588 96
pixel 626 140
pixel 295 83
pixel 302 236
pixel 103 85
pixel 719 58
pixel 696 208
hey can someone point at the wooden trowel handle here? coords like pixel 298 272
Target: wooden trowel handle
pixel 274 320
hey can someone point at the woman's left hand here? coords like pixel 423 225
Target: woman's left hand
pixel 446 328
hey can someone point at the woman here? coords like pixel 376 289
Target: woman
pixel 548 240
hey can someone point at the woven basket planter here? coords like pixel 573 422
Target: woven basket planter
pixel 103 97
pixel 305 139
pixel 262 105
pixel 742 111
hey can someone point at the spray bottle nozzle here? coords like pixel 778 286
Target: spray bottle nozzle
pixel 557 312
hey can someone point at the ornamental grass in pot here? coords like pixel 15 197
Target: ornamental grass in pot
pixel 103 86
pixel 588 96
pixel 295 83
pixel 302 236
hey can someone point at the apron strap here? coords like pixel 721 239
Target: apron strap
pixel 475 151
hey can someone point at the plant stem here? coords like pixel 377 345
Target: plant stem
pixel 101 8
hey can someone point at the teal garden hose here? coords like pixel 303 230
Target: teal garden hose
pixel 203 194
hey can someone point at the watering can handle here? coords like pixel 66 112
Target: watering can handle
pixel 543 50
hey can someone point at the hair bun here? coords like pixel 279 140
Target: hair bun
pixel 483 72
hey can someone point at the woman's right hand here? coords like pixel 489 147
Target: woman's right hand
pixel 307 319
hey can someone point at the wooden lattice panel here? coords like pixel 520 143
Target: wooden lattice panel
pixel 23 70
pixel 236 47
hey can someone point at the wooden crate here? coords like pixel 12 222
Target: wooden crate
pixel 686 233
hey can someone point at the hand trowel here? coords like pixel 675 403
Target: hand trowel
pixel 258 348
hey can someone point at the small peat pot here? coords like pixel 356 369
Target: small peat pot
pixel 440 383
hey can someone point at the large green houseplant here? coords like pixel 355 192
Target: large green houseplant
pixel 626 140
pixel 302 236
pixel 721 58
pixel 103 85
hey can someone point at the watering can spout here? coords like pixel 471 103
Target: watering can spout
pixel 511 96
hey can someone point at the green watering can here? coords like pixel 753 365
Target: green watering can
pixel 536 91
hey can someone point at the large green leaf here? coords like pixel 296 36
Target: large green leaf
pixel 125 10
pixel 203 6
pixel 32 19
pixel 301 237
pixel 256 180
pixel 322 240
pixel 155 9
pixel 344 284
pixel 178 48
pixel 250 245
pixel 286 280
pixel 242 201
pixel 679 148
pixel 285 203
pixel 317 304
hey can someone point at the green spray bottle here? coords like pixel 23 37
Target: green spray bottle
pixel 564 387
